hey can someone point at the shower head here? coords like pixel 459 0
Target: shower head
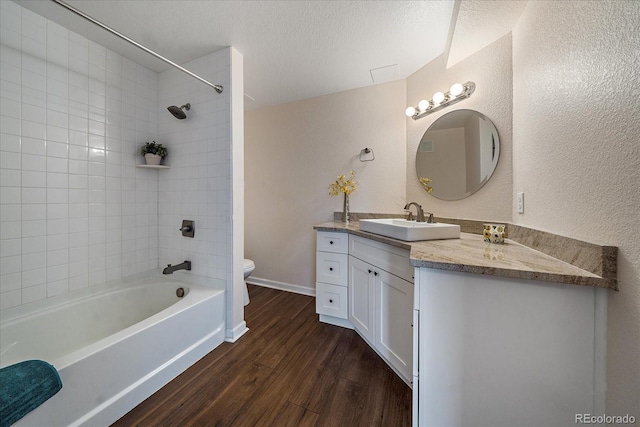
pixel 178 112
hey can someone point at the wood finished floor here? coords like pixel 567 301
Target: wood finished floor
pixel 288 370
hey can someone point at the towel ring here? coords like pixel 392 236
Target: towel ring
pixel 366 152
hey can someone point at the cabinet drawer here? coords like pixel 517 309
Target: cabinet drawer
pixel 386 257
pixel 331 300
pixel 328 241
pixel 332 268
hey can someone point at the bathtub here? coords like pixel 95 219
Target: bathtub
pixel 114 345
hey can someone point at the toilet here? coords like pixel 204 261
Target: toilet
pixel 249 266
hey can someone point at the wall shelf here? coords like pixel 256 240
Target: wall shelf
pixel 154 166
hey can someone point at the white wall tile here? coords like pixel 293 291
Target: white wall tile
pixel 35 277
pixel 34 64
pixel 31 79
pixel 34 228
pixel 10 108
pixel 57 149
pixel 58 103
pixel 57 180
pixel 10 212
pixel 34 293
pixel 10 125
pixel 57 287
pixel 57 257
pixel 57 164
pixel 10 229
pixel 11 73
pixel 34 212
pixel 34 195
pixel 9 143
pixel 75 210
pixel 34 146
pixel 10 248
pixel 78 282
pixel 57 211
pixel 10 282
pixel 57 272
pixel 9 195
pixel 12 298
pixel 34 96
pixel 32 245
pixel 33 163
pixel 34 261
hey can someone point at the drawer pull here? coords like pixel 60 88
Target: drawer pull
pixel 331 242
pixel 331 301
pixel 330 268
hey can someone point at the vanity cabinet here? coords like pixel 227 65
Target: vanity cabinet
pixel 361 292
pixel 367 285
pixel 332 277
pixel 380 309
pixel 381 300
pixel 499 351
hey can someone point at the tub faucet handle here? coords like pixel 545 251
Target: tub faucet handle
pixel 188 228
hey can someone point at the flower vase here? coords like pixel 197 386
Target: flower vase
pixel 345 208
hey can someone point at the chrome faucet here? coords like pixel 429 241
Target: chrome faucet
pixel 419 213
pixel 171 268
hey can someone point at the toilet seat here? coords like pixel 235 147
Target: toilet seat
pixel 249 265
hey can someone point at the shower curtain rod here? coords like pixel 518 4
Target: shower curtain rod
pixel 218 88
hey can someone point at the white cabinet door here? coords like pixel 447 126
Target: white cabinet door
pixel 361 304
pixel 393 320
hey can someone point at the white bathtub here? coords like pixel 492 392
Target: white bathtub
pixel 114 345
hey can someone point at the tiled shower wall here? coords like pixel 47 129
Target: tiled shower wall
pixel 74 209
pixel 198 185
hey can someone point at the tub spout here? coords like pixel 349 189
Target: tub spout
pixel 171 268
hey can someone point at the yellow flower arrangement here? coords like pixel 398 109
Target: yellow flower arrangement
pixel 425 184
pixel 344 185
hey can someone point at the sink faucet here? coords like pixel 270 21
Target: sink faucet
pixel 183 266
pixel 419 213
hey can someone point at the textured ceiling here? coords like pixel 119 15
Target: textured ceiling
pixel 480 23
pixel 292 49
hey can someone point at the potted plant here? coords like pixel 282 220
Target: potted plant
pixel 153 152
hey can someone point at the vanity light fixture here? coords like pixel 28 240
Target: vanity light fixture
pixel 440 100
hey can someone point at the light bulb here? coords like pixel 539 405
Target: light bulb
pixel 438 97
pixel 456 89
pixel 423 105
pixel 410 111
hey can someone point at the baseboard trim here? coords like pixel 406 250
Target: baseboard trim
pixel 234 334
pixel 297 289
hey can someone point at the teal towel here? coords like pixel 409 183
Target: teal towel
pixel 25 386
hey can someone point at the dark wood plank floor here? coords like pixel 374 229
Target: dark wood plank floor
pixel 288 370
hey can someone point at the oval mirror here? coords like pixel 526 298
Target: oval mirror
pixel 457 154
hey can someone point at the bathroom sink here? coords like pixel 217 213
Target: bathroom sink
pixel 410 231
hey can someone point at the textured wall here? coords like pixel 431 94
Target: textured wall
pixel 576 153
pixel 490 69
pixel 294 151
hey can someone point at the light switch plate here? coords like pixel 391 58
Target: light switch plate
pixel 520 202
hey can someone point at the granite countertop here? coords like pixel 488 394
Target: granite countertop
pixel 471 254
